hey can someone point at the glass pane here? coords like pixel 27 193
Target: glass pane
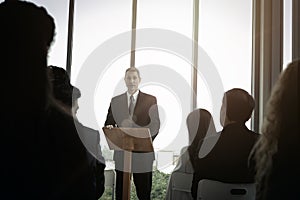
pixel 59 10
pixel 225 32
pixel 168 58
pixel 101 53
pixel 95 24
pixel 175 15
pixel 287 32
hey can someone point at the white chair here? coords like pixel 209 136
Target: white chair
pixel 181 184
pixel 110 180
pixel 215 190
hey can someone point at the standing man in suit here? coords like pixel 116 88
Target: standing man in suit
pixel 134 109
pixel 228 159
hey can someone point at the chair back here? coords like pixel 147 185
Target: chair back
pixel 181 184
pixel 182 181
pixel 215 190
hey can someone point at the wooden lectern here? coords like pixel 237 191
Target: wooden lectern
pixel 129 140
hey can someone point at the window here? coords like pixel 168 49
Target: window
pixel 101 53
pixel 95 25
pixel 287 32
pixel 170 70
pixel 59 11
pixel 225 31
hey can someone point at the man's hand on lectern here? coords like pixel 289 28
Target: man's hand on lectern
pixel 109 126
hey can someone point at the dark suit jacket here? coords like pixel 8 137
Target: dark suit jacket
pixel 44 158
pixel 228 160
pixel 91 140
pixel 145 115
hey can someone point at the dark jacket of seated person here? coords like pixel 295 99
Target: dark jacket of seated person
pixel 228 160
pixel 68 96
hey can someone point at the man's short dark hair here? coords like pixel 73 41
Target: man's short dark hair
pixel 62 88
pixel 239 105
pixel 133 69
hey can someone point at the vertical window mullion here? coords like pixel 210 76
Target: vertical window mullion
pixel 195 54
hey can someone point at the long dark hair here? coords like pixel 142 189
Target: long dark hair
pixel 200 124
pixel 25 37
pixel 281 124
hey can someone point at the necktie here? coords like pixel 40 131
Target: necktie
pixel 131 105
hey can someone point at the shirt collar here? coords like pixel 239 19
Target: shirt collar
pixel 135 95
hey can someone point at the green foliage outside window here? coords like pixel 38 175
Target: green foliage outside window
pixel 159 187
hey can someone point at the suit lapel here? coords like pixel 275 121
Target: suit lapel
pixel 139 102
pixel 124 102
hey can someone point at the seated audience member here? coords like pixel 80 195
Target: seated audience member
pixel 206 129
pixel 68 95
pixel 42 156
pixel 200 124
pixel 277 152
pixel 228 159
